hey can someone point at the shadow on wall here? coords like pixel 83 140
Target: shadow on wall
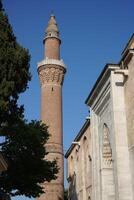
pixel 72 188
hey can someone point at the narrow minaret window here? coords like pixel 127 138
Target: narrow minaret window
pixel 51 72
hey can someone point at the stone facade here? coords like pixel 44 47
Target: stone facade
pixel 128 64
pixel 111 103
pixel 79 165
pixel 51 72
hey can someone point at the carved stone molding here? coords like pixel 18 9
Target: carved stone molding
pixel 107 151
pixel 51 74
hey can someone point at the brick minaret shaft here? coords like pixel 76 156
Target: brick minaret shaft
pixel 51 73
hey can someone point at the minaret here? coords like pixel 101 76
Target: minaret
pixel 51 72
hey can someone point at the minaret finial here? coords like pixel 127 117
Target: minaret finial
pixel 52 13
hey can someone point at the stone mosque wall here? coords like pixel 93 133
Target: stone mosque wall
pixel 129 97
pixel 108 173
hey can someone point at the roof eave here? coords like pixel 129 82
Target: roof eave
pixel 108 67
pixel 78 136
pixel 128 44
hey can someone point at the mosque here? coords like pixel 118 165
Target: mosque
pixel 100 160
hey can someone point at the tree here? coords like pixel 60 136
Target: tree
pixel 24 141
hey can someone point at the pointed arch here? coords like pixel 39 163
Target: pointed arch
pixel 106 149
pixel 107 173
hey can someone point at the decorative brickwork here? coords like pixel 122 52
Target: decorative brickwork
pixel 51 74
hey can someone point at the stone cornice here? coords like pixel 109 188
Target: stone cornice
pixel 129 45
pixel 48 61
pixel 51 37
pixel 125 60
pixel 100 82
pixel 78 137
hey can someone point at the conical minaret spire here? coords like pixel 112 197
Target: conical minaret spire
pixel 51 72
pixel 52 28
pixel 52 40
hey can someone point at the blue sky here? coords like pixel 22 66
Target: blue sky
pixel 93 33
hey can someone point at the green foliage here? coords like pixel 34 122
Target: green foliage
pixel 14 71
pixel 24 145
pixel 25 153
